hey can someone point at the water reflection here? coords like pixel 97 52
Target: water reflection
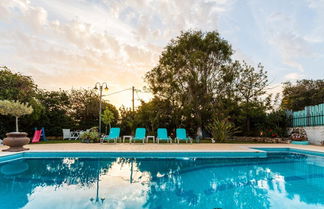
pixel 282 181
pixel 14 168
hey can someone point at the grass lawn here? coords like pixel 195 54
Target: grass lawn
pixel 58 141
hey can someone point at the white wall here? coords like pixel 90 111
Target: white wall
pixel 315 134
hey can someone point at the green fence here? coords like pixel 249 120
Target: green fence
pixel 310 116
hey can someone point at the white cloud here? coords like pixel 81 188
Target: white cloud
pixel 36 17
pixel 76 43
pixel 294 76
pixel 289 43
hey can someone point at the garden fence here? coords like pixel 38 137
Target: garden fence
pixel 310 116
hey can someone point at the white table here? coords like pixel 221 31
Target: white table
pixel 127 137
pixel 150 137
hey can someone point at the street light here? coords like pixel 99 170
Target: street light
pixel 100 86
pixel 93 200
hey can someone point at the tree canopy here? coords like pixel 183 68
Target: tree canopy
pixel 107 117
pixel 14 108
pixel 53 110
pixel 197 76
pixel 303 93
pixel 190 73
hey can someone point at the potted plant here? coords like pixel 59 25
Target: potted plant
pixel 15 140
pixel 298 134
pixel 91 135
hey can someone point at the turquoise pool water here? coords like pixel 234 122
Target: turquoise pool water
pixel 280 180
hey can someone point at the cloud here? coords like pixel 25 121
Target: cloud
pixel 290 44
pixel 77 43
pixel 291 47
pixel 294 76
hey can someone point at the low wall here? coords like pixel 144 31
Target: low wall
pixel 315 134
pixel 260 139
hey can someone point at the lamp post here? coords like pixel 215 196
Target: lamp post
pixel 100 86
pixel 93 200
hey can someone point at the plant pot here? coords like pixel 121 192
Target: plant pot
pixel 298 139
pixel 16 141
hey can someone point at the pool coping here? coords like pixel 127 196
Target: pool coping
pixel 241 151
pixel 138 154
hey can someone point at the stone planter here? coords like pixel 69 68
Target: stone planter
pixel 16 141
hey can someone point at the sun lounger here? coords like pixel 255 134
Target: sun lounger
pixel 114 134
pixel 162 135
pixel 181 135
pixel 140 134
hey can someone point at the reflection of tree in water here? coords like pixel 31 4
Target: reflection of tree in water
pixel 306 176
pixel 49 172
pixel 10 173
pixel 210 183
pixel 68 170
pixel 238 183
pixel 207 187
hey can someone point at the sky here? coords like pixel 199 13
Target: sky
pixel 66 44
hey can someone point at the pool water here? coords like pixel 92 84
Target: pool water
pixel 282 180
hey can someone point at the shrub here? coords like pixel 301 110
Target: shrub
pixel 91 135
pixel 222 130
pixel 275 124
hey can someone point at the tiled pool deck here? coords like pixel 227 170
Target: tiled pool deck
pixel 204 147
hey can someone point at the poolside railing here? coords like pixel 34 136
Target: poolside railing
pixel 310 116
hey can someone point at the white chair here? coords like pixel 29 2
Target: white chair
pixel 75 135
pixel 67 134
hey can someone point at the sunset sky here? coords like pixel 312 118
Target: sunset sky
pixel 75 43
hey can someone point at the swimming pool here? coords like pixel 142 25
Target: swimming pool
pixel 281 179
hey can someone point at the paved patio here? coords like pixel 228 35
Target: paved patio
pixel 120 147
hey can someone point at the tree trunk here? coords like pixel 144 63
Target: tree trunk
pixel 17 130
pixel 199 134
pixel 248 121
pixel 248 124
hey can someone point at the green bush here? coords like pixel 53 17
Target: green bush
pixel 222 130
pixel 90 136
pixel 275 124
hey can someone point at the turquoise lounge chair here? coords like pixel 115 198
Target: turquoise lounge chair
pixel 114 134
pixel 181 135
pixel 140 134
pixel 162 134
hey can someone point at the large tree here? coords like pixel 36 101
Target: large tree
pixel 250 88
pixel 190 74
pixel 196 75
pixel 85 108
pixel 296 96
pixel 55 115
pixel 127 121
pixel 15 86
pixel 18 87
pixel 154 114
